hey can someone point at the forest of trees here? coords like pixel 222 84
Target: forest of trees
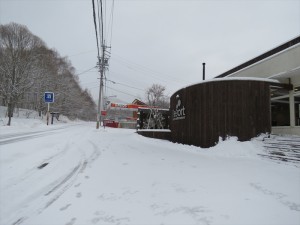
pixel 28 68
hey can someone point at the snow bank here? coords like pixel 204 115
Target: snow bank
pixel 229 148
pixel 233 148
pixel 25 118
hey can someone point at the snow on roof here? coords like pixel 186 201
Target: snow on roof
pixel 286 74
pixel 232 79
pixel 293 43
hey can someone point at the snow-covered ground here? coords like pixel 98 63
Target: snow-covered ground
pixel 71 173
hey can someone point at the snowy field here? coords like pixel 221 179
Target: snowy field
pixel 72 174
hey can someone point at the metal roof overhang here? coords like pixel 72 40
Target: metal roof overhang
pixel 263 56
pixel 274 85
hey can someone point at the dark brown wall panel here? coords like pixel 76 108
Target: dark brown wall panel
pixel 218 109
pixel 155 134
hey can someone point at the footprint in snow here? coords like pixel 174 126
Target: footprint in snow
pixel 78 195
pixel 77 185
pixel 65 207
pixel 96 220
pixel 73 220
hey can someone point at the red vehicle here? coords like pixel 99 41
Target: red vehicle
pixel 110 123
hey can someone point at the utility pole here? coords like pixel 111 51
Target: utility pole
pixel 103 63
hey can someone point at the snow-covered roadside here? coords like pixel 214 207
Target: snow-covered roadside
pixel 115 176
pixel 28 121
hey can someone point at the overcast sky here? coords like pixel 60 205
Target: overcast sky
pixel 158 41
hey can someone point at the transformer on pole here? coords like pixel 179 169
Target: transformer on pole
pixel 103 64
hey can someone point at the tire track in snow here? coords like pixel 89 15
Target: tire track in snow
pixel 16 137
pixel 58 187
pixel 32 172
pixel 96 152
pixel 89 153
pixel 7 139
pixel 19 221
pixel 70 179
pixel 56 191
pixel 69 176
pixel 23 138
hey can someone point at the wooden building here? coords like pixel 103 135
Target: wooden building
pixel 261 95
pixel 202 113
pixel 281 63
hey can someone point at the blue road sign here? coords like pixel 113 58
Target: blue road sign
pixel 49 97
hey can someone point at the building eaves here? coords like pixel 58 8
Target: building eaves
pixel 261 57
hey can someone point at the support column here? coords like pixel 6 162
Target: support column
pixel 292 108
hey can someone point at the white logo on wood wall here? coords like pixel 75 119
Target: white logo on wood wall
pixel 179 112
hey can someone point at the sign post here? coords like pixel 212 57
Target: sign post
pixel 48 98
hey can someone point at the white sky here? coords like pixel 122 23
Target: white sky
pixel 158 41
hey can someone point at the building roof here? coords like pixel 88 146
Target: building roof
pixel 138 102
pixel 263 56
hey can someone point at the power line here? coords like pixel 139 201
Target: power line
pixel 81 53
pixel 123 92
pixel 126 85
pixel 150 72
pixel 100 20
pixel 103 58
pixel 118 83
pixel 95 23
pixel 109 13
pixel 104 16
pixel 86 71
pixel 113 89
pixel 112 20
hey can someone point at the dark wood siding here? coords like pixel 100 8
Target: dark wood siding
pixel 221 108
pixel 155 134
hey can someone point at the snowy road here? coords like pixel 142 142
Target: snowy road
pixel 21 136
pixel 70 175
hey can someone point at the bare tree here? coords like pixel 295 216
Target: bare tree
pixel 156 97
pixel 28 69
pixel 18 53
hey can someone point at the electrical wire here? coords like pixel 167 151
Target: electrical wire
pixel 118 83
pixel 109 14
pixel 123 92
pixel 126 85
pixel 104 16
pixel 86 71
pixel 81 53
pixel 95 23
pixel 111 20
pixel 140 68
pixel 104 29
pixel 100 18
